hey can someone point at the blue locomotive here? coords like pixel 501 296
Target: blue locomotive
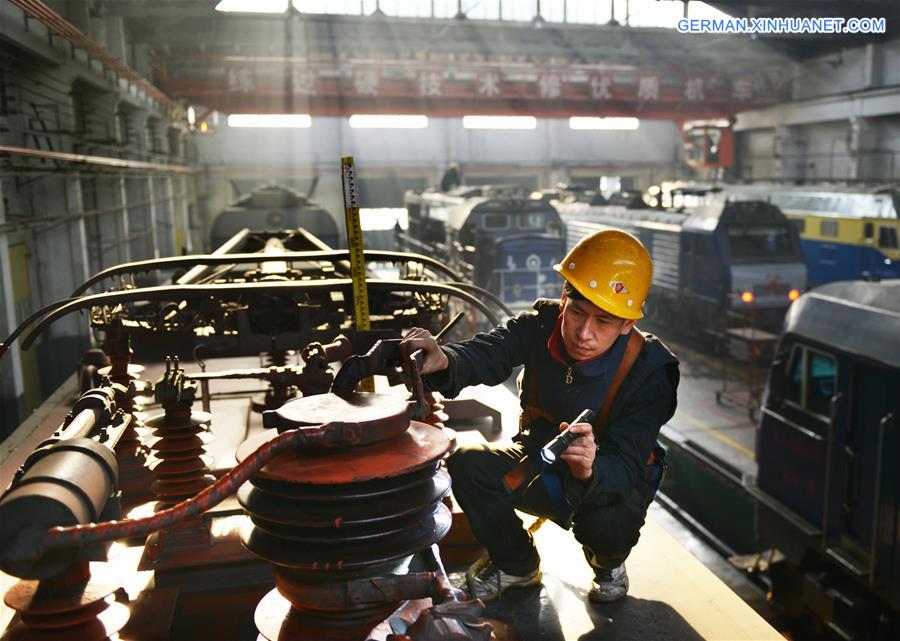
pixel 828 485
pixel 497 237
pixel 847 232
pixel 707 260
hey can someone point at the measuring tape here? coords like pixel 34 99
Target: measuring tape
pixel 357 261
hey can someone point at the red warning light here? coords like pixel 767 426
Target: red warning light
pixel 794 294
pixel 747 297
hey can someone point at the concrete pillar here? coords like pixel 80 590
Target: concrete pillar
pixel 115 38
pixel 154 230
pixel 790 154
pixel 873 69
pixel 125 239
pixel 866 156
pixel 12 387
pixel 84 272
pixel 141 62
pixel 78 13
pixel 180 235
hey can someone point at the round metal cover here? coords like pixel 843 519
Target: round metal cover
pixel 419 446
pixel 378 416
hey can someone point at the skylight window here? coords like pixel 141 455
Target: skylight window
pixel 499 122
pixel 252 6
pixel 599 124
pixel 367 121
pixel 296 121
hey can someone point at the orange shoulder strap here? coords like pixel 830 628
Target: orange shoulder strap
pixel 634 347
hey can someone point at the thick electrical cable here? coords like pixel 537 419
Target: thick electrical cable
pixel 329 433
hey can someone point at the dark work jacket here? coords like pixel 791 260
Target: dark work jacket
pixel 645 401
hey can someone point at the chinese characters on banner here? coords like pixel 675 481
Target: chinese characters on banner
pixel 640 86
pixel 240 80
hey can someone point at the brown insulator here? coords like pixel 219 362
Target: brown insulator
pixel 131 454
pixel 74 605
pixel 179 463
pixel 325 516
pixel 179 437
pixel 437 417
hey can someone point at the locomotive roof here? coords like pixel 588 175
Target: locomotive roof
pixel 273 197
pixel 856 317
pixel 463 200
pixel 704 217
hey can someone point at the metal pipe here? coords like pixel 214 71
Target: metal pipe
pixel 89 213
pixel 96 160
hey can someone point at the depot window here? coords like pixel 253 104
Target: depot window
pixel 811 380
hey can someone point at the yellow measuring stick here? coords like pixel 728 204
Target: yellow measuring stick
pixel 357 261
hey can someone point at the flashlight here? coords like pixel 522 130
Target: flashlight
pixel 558 445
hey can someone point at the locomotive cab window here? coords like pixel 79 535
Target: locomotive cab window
pixel 532 220
pixel 811 381
pixel 887 238
pixel 828 228
pixel 495 221
pixel 752 243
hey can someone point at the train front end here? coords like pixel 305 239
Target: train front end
pixel 518 242
pixel 765 261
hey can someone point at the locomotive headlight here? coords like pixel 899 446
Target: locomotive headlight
pixel 794 294
pixel 747 297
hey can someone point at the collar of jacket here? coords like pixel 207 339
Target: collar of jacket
pixel 595 367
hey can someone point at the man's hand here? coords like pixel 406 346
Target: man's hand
pixel 579 456
pixel 435 359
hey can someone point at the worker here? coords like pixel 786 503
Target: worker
pixel 580 352
pixel 451 178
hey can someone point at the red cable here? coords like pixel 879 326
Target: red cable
pixel 75 535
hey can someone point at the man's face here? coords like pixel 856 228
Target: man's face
pixel 588 331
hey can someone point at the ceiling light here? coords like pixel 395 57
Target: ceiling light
pixel 252 6
pixel 301 121
pixel 369 121
pixel 499 122
pixel 609 124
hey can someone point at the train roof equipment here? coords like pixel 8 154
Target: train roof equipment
pixel 856 317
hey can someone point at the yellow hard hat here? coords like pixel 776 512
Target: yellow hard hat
pixel 612 269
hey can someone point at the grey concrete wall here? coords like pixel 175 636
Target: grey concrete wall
pixel 72 219
pixel 843 125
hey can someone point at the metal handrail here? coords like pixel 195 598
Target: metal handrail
pixel 876 507
pixel 174 292
pixel 829 452
pixel 334 255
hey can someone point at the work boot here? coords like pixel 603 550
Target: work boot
pixel 487 582
pixel 609 585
